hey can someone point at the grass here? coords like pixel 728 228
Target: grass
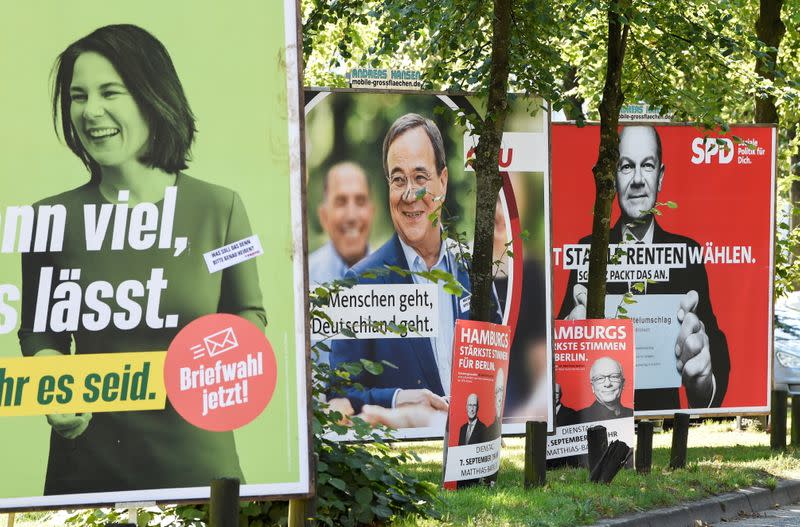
pixel 720 459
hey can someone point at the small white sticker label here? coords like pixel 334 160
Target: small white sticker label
pixel 233 253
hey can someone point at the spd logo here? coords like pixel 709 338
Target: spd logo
pixel 705 149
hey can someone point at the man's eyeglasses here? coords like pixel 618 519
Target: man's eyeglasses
pixel 399 183
pixel 615 378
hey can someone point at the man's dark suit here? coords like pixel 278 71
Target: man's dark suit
pixel 478 433
pixel 478 436
pixel 493 431
pixel 566 416
pixel 598 412
pixel 691 278
pixel 412 356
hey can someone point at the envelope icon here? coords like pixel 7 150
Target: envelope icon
pixel 220 342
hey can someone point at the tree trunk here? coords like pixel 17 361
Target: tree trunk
pixel 573 105
pixel 770 31
pixel 608 155
pixel 487 174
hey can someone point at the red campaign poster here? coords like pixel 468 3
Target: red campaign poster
pixel 594 363
pixel 481 353
pixel 700 265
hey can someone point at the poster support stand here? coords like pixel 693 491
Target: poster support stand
pixel 777 425
pixel 297 513
pixel 535 453
pixel 644 447
pixel 11 518
pixel 223 509
pixel 680 438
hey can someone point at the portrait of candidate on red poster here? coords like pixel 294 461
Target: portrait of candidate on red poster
pixel 594 373
pixel 481 353
pixel 691 239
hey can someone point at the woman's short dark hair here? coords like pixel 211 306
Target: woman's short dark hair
pixel 148 73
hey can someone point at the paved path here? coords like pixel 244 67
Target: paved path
pixel 788 516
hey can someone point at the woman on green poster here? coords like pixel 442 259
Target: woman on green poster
pixel 122 110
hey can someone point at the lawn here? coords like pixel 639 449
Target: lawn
pixel 720 459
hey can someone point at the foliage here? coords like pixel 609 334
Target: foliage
pixel 787 265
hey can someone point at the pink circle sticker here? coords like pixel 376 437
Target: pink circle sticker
pixel 220 372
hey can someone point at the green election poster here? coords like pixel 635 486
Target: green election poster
pixel 152 299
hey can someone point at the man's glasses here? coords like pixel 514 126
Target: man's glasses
pixel 399 183
pixel 615 378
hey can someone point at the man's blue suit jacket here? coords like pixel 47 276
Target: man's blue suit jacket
pixel 412 356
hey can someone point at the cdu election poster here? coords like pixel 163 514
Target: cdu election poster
pixel 152 327
pixel 690 258
pixel 480 371
pixel 391 208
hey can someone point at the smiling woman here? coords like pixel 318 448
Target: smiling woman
pixel 103 113
pixel 122 110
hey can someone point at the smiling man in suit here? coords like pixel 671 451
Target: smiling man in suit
pixel 415 170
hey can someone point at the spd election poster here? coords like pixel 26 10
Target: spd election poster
pixel 691 240
pixel 152 328
pixel 594 383
pixel 480 370
pixel 385 172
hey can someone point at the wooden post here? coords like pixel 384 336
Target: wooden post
pixel 223 510
pixel 680 439
pixel 777 432
pixel 535 453
pixel 597 437
pixel 11 518
pixel 795 434
pixel 297 508
pixel 644 447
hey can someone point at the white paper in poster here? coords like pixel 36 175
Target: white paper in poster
pixel 655 321
pixel 380 311
pixel 472 461
pixel 571 440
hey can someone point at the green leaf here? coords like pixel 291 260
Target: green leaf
pixel 453 288
pixel 338 483
pixel 382 511
pixel 372 367
pixel 398 270
pixel 363 495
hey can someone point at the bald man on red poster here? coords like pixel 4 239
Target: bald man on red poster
pixel 691 238
pixel 478 388
pixel 594 363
